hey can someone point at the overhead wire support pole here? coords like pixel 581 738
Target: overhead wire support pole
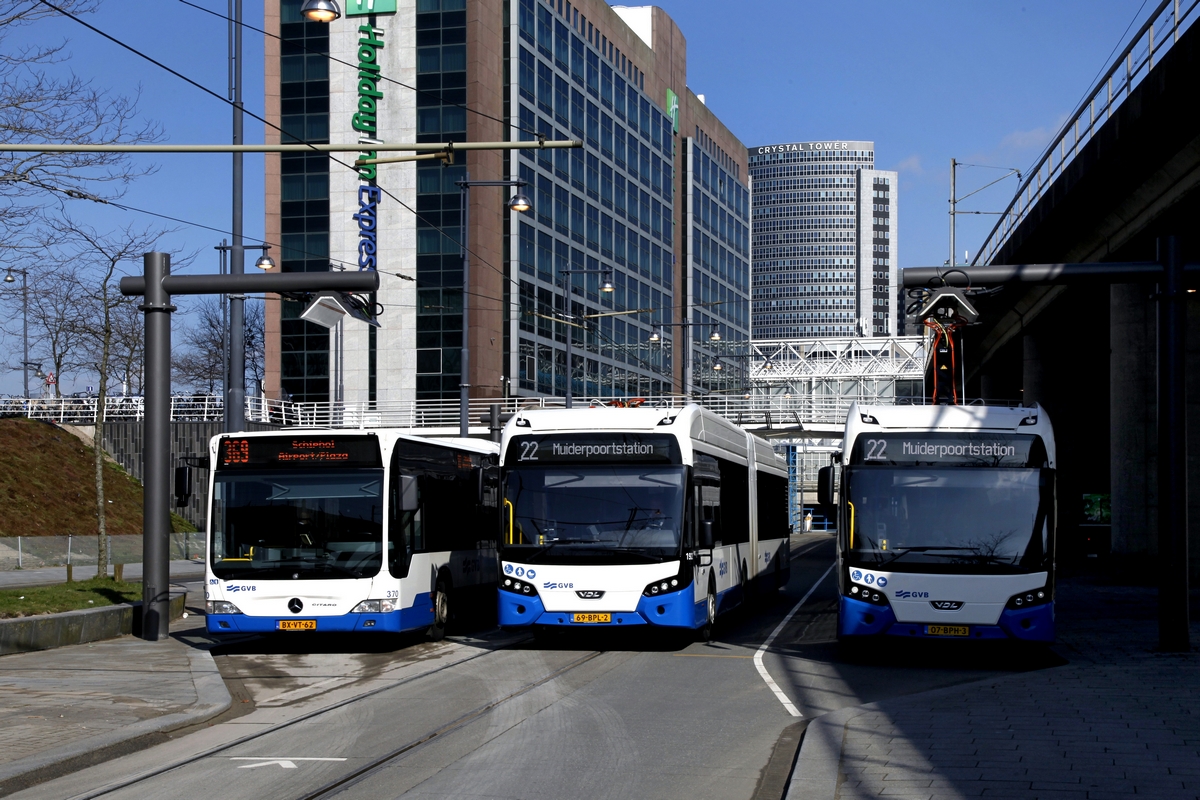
pixel 1172 276
pixel 156 285
pixel 235 388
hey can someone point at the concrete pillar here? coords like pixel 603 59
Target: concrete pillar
pixel 1132 420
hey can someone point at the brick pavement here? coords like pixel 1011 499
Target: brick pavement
pixel 57 705
pixel 1118 721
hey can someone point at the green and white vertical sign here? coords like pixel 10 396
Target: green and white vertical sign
pixel 673 108
pixel 360 8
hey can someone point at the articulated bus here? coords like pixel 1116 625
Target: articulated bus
pixel 946 518
pixel 636 516
pixel 335 530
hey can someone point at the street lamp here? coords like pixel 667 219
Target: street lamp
pixel 606 286
pixel 8 278
pixel 714 336
pixel 320 10
pixel 519 203
pixel 233 346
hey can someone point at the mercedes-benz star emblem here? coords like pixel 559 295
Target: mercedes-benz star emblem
pixel 295 606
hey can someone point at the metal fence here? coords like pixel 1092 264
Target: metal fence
pixel 30 552
pixel 1167 22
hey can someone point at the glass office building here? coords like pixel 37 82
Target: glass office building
pixel 824 241
pixel 657 196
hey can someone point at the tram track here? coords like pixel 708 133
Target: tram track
pixel 376 764
pixel 336 787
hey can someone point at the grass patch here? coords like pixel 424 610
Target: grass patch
pixel 91 593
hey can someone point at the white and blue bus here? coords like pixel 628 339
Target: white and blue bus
pixel 621 517
pixel 335 530
pixel 946 520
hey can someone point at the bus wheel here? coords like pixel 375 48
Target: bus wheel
pixel 710 606
pixel 441 612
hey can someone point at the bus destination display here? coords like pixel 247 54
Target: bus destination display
pixel 281 452
pixel 593 448
pixel 951 450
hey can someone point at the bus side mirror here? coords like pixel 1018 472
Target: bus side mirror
pixel 706 534
pixel 825 495
pixel 410 500
pixel 183 486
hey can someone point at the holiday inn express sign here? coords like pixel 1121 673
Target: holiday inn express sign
pixel 361 8
pixel 365 122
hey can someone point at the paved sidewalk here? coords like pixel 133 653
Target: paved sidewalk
pixel 1119 720
pixel 45 576
pixel 64 704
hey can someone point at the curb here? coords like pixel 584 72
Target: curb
pixel 212 698
pixel 48 631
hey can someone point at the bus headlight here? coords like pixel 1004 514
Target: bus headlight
pixel 661 587
pixel 1033 597
pixel 868 594
pixel 374 607
pixel 518 587
pixel 221 607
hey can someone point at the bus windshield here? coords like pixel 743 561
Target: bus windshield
pixel 298 524
pixel 950 520
pixel 595 514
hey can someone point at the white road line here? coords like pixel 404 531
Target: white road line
pixel 758 657
pixel 285 763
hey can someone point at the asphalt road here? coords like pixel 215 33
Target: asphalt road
pixel 498 715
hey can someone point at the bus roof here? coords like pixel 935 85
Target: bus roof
pixel 983 419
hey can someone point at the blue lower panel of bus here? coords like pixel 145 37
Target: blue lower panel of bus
pixel 672 609
pixel 856 618
pixel 420 615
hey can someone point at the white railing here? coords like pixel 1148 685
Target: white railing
pixel 757 406
pixel 1167 22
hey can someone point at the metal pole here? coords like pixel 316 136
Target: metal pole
pixel 224 265
pixel 1173 595
pixel 235 391
pixel 953 165
pixel 25 314
pixel 570 335
pixel 464 387
pixel 156 458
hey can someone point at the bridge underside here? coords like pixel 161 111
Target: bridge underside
pixel 1087 353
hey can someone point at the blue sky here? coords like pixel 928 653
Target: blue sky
pixel 985 83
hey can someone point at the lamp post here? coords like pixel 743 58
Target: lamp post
pixel 606 286
pixel 519 203
pixel 656 336
pixel 8 278
pixel 234 418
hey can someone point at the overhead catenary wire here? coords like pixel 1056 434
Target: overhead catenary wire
pixel 307 145
pixel 382 77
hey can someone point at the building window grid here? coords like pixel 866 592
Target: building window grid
pixel 304 206
pixel 625 336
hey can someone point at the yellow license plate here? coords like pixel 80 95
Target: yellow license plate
pixel 947 630
pixel 297 625
pixel 593 618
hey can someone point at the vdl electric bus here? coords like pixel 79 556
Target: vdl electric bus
pixel 946 523
pixel 336 530
pixel 620 517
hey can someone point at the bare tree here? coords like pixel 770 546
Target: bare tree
pixel 54 314
pixel 201 363
pixel 101 308
pixel 37 105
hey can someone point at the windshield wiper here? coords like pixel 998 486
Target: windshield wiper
pixel 974 551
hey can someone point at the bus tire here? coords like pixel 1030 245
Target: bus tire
pixel 441 611
pixel 710 606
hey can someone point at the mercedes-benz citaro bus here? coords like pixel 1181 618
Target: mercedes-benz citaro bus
pixel 348 530
pixel 621 517
pixel 946 518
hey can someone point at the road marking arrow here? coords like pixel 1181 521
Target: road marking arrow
pixel 286 763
